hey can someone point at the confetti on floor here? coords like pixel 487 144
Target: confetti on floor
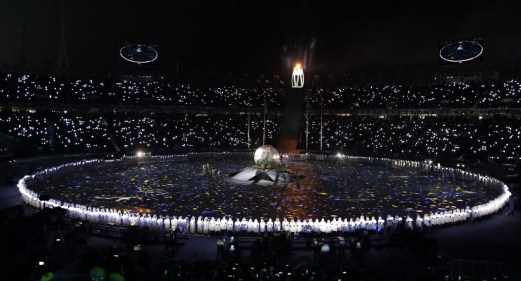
pixel 328 189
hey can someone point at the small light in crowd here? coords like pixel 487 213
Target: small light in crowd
pixel 41 263
pixel 140 154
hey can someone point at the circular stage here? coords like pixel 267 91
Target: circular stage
pixel 197 186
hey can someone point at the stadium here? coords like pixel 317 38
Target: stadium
pixel 128 156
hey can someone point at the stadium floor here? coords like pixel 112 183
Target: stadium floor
pixel 328 190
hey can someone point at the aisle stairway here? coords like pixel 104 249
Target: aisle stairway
pixel 110 130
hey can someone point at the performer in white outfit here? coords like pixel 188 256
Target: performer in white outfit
pixel 206 226
pixel 269 225
pixel 419 222
pixel 229 225
pixel 262 226
pixel 276 225
pixel 285 225
pixel 293 227
pixel 200 225
pixel 244 225
pixel 408 222
pixel 224 224
pixel 351 225
pixel 237 226
pixel 192 225
pixel 217 225
pixel 372 224
pixel 381 223
pixel 256 226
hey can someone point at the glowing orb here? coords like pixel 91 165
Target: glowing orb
pixel 266 156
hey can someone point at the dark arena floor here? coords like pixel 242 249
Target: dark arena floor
pixel 328 189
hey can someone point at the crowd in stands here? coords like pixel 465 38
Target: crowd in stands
pixel 418 136
pixel 49 89
pixel 30 128
pixel 50 130
pixel 455 95
pixel 71 132
pixel 41 88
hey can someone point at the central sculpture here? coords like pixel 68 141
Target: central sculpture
pixel 267 169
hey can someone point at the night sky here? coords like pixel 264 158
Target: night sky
pixel 259 36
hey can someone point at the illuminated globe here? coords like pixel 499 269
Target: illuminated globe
pixel 266 156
